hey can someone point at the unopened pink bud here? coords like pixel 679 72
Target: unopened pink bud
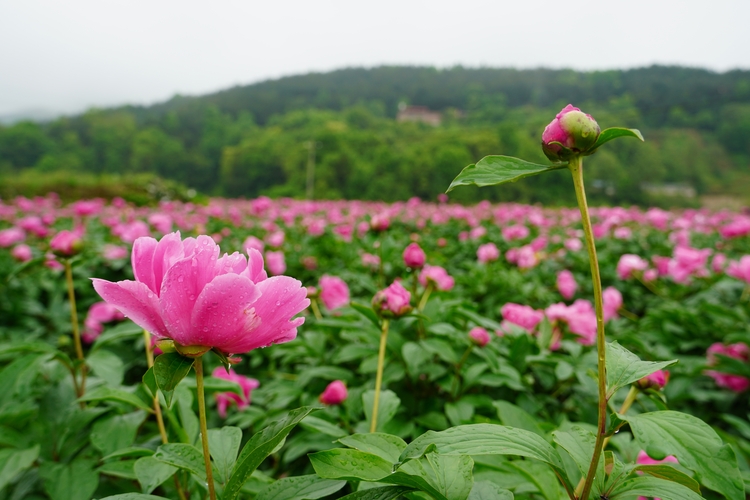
pixel 334 394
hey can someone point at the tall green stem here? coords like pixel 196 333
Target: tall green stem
pixel 204 429
pixel 80 388
pixel 576 168
pixel 454 385
pixel 379 375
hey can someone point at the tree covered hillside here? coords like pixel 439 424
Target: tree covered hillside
pixel 252 140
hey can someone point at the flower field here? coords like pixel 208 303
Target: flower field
pixel 487 318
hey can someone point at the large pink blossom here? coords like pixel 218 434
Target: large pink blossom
pixel 612 302
pixel 225 399
pixel 185 292
pixel 438 276
pixel 522 315
pixel 566 284
pixel 333 292
pixel 393 301
pixel 740 351
pixel 487 253
pixel 629 263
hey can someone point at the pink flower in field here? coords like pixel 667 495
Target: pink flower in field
pixel 718 262
pixel 22 253
pixel 225 399
pixel 11 236
pixel 438 276
pixel 370 260
pixel 309 262
pixel 161 222
pixel 629 263
pixel 650 274
pixel 88 207
pixel 477 232
pixel 644 459
pixel 333 292
pixel 34 224
pixel 275 239
pixel 98 314
pixel 380 222
pixel 566 284
pixel 479 336
pixel 524 316
pixel 335 393
pixel 515 232
pixel 656 380
pixel 114 252
pixel 612 302
pixel 66 243
pixel 393 301
pixel 740 351
pixel 52 263
pixel 538 244
pixel 414 256
pixel 132 231
pixel 253 242
pixel 526 257
pixel 741 269
pixel 185 292
pixel 582 321
pixel 487 253
pixel 662 264
pixel 275 262
pixel 738 227
pixel 442 242
pixel 573 244
pixel 623 233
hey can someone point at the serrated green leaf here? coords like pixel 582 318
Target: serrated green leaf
pixel 386 446
pixel 259 447
pixel 649 486
pixel 624 367
pixel 696 446
pixel 308 487
pixel 613 133
pixel 493 170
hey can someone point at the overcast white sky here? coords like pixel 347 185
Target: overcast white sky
pixel 68 55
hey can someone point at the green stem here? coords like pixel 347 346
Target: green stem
pixel 80 388
pixel 454 386
pixel 156 405
pixel 576 168
pixel 379 375
pixel 204 430
pixel 425 296
pixel 315 309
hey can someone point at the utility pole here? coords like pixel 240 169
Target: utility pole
pixel 310 145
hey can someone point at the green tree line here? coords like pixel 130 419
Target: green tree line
pixel 251 140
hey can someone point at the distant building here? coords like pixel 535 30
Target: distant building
pixel 422 114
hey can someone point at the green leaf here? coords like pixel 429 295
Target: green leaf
pixel 613 133
pixel 387 406
pixel 259 447
pixel 183 456
pixel 446 477
pixel 493 170
pixel 486 439
pixel 367 312
pixel 119 395
pixel 120 468
pixel 149 380
pixel 540 476
pixel 134 451
pixel 385 446
pixel 215 384
pixel 624 367
pixel 486 490
pixel 115 432
pixel 224 444
pixel 696 446
pixel 324 372
pixel 670 474
pixel 380 493
pixel 350 465
pixel 169 369
pixel 579 443
pixel 12 462
pixel 151 473
pixel 323 426
pixel 133 496
pixel 72 481
pixel 514 416
pixel 649 486
pixel 308 487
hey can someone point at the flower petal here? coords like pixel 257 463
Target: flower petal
pixel 142 260
pixel 136 301
pixel 281 299
pixel 167 252
pixel 223 313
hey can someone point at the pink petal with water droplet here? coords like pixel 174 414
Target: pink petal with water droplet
pixel 167 252
pixel 136 301
pixel 223 312
pixel 255 271
pixel 281 299
pixel 142 260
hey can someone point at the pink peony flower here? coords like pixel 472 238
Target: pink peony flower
pixel 22 253
pixel 573 244
pixel 98 314
pixel 479 336
pixel 334 394
pixel 11 236
pixel 644 459
pixel 333 292
pixel 253 242
pixel 656 380
pixel 161 222
pixel 225 399
pixel 718 262
pixel 515 232
pixel 414 256
pixel 740 269
pixel 392 301
pixel 572 129
pixel 736 383
pixel 487 253
pixel 629 263
pixel 275 262
pixel 370 260
pixel 66 243
pixel 566 284
pixel 114 252
pixel 612 302
pixel 185 292
pixel 438 276
pixel 523 316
